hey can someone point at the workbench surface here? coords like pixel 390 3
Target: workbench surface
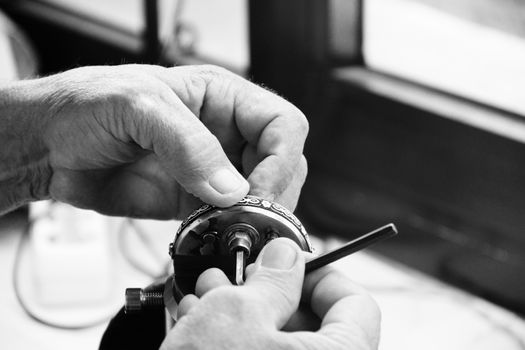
pixel 419 312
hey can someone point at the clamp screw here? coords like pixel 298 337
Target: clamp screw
pixel 137 300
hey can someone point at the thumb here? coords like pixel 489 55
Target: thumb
pixel 190 153
pixel 277 280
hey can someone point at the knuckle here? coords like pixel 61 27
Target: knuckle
pixel 212 71
pixel 130 93
pixel 303 168
pixel 229 300
pixel 333 275
pixel 330 277
pixel 296 121
pixel 302 123
pixel 276 287
pixel 372 305
pixel 136 98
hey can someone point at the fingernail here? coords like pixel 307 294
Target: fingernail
pixel 279 255
pixel 225 181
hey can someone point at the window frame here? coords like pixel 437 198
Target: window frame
pixel 40 19
pixel 395 117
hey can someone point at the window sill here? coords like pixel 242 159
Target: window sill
pixel 492 120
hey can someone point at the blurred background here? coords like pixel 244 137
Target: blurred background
pixel 416 110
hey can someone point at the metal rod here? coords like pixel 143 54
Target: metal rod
pixel 351 247
pixel 239 267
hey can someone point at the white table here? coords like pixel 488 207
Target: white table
pixel 418 311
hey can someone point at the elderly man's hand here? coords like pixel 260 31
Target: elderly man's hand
pixel 264 314
pixel 147 141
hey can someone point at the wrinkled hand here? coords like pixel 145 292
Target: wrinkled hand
pixel 264 314
pixel 144 141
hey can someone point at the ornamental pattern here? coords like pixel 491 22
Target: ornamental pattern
pixel 251 201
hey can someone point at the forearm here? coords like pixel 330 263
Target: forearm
pixel 24 169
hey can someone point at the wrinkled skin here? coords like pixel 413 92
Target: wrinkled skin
pixel 264 313
pixel 148 141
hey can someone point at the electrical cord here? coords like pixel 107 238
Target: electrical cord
pixel 146 242
pixel 128 256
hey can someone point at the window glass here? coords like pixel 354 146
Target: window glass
pixel 124 14
pixel 472 48
pixel 220 30
pixel 8 68
pixel 217 31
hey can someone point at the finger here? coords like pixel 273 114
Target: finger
pixel 277 280
pixel 186 304
pixel 285 188
pixel 140 189
pixel 210 279
pixel 290 196
pixel 249 270
pixel 228 105
pixel 186 148
pixel 304 319
pixel 276 166
pixel 278 177
pixel 344 307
